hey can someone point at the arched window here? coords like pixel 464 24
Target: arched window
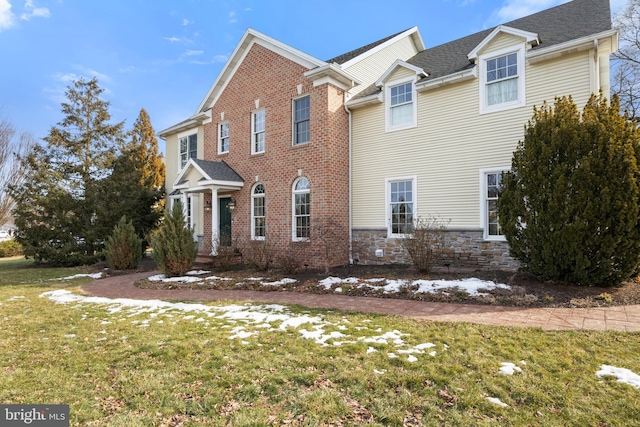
pixel 301 209
pixel 258 213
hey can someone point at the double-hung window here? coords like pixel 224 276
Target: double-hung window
pixel 301 209
pixel 401 105
pixel 490 187
pixel 258 213
pixel 301 120
pixel 188 148
pixel 223 137
pixel 502 81
pixel 257 132
pixel 401 201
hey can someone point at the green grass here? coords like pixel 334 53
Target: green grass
pixel 113 371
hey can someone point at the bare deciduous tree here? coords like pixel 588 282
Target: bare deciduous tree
pixel 625 80
pixel 12 145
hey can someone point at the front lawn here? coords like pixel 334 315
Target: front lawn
pixel 145 363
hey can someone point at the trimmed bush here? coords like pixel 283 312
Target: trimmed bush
pixel 174 250
pixel 425 242
pixel 123 248
pixel 569 207
pixel 10 248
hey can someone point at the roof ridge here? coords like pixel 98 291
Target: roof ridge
pixel 340 59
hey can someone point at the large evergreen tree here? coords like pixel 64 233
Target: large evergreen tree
pixel 569 208
pixel 137 183
pixel 61 213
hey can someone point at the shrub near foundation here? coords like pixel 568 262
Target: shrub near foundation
pixel 174 249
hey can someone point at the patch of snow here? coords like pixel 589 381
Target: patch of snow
pixel 278 282
pixel 497 401
pixel 338 290
pixel 330 281
pixel 197 272
pixel 471 286
pixel 70 336
pixel 383 371
pixel 371 350
pixel 76 276
pixel 509 368
pixel 412 358
pixel 623 375
pixel 16 298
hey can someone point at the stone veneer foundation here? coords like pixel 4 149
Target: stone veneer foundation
pixel 463 248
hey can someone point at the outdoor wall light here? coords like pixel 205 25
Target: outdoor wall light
pixel 207 206
pixel 232 204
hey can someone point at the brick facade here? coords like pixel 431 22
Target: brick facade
pixel 273 82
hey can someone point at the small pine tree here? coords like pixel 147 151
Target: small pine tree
pixel 123 248
pixel 174 250
pixel 569 208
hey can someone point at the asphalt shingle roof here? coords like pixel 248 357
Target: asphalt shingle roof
pixel 218 171
pixel 341 59
pixel 568 21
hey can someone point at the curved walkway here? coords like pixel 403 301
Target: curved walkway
pixel 619 318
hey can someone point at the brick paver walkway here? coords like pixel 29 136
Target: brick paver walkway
pixel 619 318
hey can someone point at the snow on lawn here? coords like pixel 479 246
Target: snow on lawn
pixel 76 276
pixel 245 321
pixel 623 375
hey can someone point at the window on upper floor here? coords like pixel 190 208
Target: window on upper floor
pixel 257 132
pixel 401 107
pixel 223 137
pixel 301 120
pixel 502 85
pixel 188 148
pixel 490 187
pixel 401 203
pixel 258 213
pixel 301 209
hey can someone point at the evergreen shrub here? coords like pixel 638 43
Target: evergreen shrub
pixel 569 205
pixel 10 248
pixel 123 249
pixel 174 250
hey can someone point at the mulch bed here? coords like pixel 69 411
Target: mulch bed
pixel 526 290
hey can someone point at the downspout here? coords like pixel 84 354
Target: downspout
pixel 596 64
pixel 349 195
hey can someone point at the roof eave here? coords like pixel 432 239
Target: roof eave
pixel 458 77
pixel 332 73
pixel 576 45
pixel 193 121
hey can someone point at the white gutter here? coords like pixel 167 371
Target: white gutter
pixel 376 98
pixel 448 79
pixel 576 45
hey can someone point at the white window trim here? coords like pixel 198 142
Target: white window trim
pixel 482 63
pixel 387 104
pixel 220 137
pixel 185 134
pixel 294 237
pixel 253 131
pixel 387 201
pixel 293 120
pixel 483 202
pixel 253 222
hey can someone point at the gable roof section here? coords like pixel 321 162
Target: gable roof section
pixel 250 37
pixel 569 21
pixel 212 172
pixel 530 37
pixel 399 64
pixel 356 55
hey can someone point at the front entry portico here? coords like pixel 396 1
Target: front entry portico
pixel 215 178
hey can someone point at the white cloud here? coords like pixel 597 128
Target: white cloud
pixel 514 9
pixel 30 10
pixel 193 52
pixel 174 39
pixel 186 22
pixel 232 19
pixel 6 16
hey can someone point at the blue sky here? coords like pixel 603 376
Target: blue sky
pixel 164 55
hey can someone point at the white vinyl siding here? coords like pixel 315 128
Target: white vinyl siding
pixel 370 69
pixel 447 153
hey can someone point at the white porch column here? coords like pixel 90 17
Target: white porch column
pixel 183 200
pixel 215 209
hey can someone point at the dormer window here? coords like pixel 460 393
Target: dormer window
pixel 401 106
pixel 188 148
pixel 502 80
